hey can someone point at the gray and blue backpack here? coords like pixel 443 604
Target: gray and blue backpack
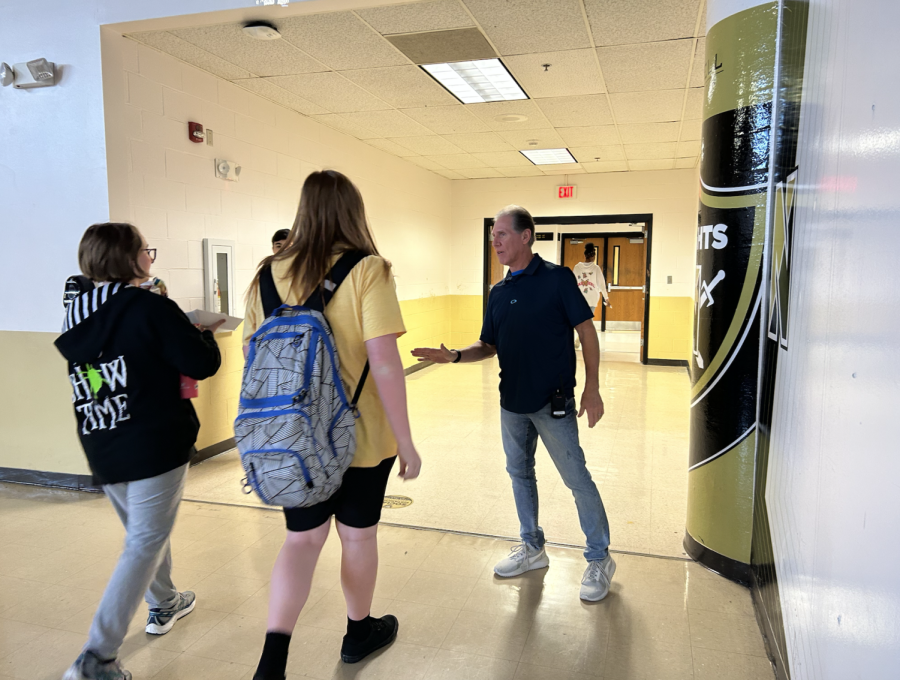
pixel 296 429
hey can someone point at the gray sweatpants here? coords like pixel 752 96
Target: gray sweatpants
pixel 147 508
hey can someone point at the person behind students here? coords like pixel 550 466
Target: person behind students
pixel 126 348
pixel 364 315
pixel 528 325
pixel 590 280
pixel 279 238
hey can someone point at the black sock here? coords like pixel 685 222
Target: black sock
pixel 359 630
pixel 273 662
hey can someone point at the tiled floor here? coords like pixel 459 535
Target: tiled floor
pixel 664 618
pixel 637 454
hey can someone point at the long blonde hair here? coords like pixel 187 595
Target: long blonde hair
pixel 331 218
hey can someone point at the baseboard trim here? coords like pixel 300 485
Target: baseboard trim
pixel 214 450
pixel 765 625
pixel 670 362
pixel 417 367
pixel 716 562
pixel 59 480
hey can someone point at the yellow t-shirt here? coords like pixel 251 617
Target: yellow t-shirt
pixel 364 307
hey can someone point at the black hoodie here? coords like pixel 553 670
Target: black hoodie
pixel 127 348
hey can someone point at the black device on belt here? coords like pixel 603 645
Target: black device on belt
pixel 558 404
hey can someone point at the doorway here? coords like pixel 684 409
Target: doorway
pixel 624 256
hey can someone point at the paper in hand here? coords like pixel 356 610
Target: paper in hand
pixel 207 319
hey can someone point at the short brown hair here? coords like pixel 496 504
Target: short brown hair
pixel 108 253
pixel 521 219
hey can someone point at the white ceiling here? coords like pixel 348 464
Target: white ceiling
pixel 623 91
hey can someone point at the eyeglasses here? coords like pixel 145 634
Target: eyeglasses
pixel 151 252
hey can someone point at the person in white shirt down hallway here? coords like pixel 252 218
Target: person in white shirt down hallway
pixel 590 281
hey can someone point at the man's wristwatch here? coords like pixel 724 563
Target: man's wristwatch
pixel 458 356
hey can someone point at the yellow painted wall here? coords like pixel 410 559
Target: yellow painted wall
pixel 671 332
pixel 217 403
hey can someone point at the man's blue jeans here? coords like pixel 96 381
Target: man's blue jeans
pixel 560 436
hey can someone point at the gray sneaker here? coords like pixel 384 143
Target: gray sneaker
pixel 596 580
pixel 89 667
pixel 521 558
pixel 161 621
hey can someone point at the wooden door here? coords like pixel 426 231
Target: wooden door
pixel 573 253
pixel 498 271
pixel 625 278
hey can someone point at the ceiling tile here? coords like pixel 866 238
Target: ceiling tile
pixel 606 166
pixel 562 169
pixel 639 133
pixel 264 88
pixel 449 174
pixel 489 112
pixel 436 47
pixel 521 171
pixel 698 73
pixel 653 151
pixel 426 163
pixel 339 123
pixel 331 91
pixel 590 154
pixel 576 111
pixel 693 108
pixel 527 26
pixel 647 107
pixel 172 44
pixel 458 161
pixel 483 142
pixel 649 66
pixel 623 22
pixel 422 16
pixel 652 165
pixel 391 147
pixel 445 120
pixel 533 139
pixel 691 130
pixel 687 149
pixel 570 73
pixel 402 86
pixel 390 123
pixel 686 162
pixel 431 145
pixel 594 135
pixel 262 57
pixel 480 173
pixel 499 159
pixel 340 40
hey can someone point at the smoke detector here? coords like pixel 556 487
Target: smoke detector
pixel 511 118
pixel 260 30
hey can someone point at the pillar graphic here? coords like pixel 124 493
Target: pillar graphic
pixel 734 177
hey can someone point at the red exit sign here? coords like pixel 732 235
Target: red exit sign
pixel 566 192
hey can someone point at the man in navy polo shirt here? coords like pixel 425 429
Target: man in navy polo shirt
pixel 528 324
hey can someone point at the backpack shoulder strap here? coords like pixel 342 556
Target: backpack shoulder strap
pixel 268 293
pixel 333 279
pixel 323 294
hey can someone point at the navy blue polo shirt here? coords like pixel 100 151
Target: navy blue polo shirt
pixel 529 319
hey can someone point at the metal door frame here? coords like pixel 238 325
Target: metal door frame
pixel 571 220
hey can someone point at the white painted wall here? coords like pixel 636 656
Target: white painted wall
pixel 834 467
pixel 166 184
pixel 669 195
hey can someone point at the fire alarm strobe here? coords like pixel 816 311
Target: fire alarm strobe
pixel 195 132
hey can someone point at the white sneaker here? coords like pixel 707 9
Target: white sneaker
pixel 596 580
pixel 521 558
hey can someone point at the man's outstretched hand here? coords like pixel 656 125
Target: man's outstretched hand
pixel 438 356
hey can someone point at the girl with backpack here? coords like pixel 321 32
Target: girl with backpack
pixel 126 348
pixel 365 318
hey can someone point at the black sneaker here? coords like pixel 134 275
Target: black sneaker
pixel 383 633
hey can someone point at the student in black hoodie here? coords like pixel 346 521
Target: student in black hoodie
pixel 126 348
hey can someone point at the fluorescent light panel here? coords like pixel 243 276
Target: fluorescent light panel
pixel 548 156
pixel 476 82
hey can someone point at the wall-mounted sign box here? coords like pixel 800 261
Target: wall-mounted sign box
pixel 543 236
pixel 566 192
